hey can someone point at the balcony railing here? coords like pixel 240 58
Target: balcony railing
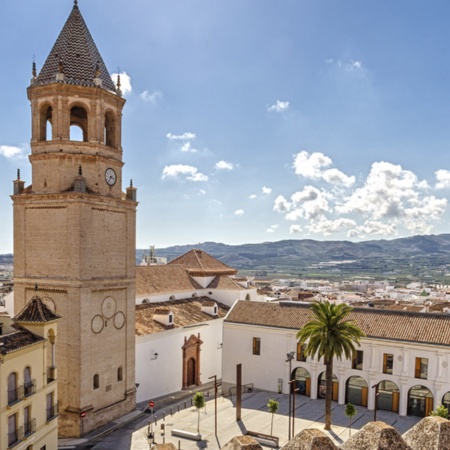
pixel 29 428
pixel 52 412
pixel 15 437
pixel 29 388
pixel 15 395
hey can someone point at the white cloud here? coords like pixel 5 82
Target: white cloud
pixel 223 165
pixel 322 225
pixel 266 190
pixel 181 137
pixel 281 204
pixel 310 166
pixel 190 173
pixel 151 97
pixel 125 82
pixel 443 179
pixel 187 148
pixel 13 152
pixel 272 228
pixel 252 196
pixel 309 203
pixel 336 177
pixel 239 212
pixel 373 227
pixel 295 229
pixel 278 107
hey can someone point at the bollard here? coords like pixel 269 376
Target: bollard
pixel 178 407
pixel 184 405
pixel 179 445
pixel 171 413
pixel 164 416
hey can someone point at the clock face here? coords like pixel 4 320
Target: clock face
pixel 110 177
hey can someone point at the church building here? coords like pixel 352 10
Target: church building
pixel 74 230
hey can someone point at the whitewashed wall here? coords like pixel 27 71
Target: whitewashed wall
pixel 164 375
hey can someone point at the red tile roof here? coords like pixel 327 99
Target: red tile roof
pixel 378 324
pixel 35 311
pixel 199 263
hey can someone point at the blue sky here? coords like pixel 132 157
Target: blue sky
pixel 258 120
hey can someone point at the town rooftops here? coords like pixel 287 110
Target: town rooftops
pixel 186 312
pixel 378 324
pixel 35 311
pixel 199 263
pixel 76 56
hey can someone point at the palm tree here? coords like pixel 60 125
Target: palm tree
pixel 329 333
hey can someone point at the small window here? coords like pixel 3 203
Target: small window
pixel 119 374
pixel 170 318
pixel 96 381
pixel 13 394
pixel 388 363
pixel 301 352
pixel 357 362
pixel 215 309
pixel 421 368
pixel 256 346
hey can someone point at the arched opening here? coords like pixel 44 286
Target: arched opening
pixel 13 395
pixel 356 391
pixel 191 372
pixel 78 124
pixel 322 387
pixel 119 374
pixel 28 384
pixel 45 123
pixel 302 381
pixel 96 381
pixel 388 396
pixel 420 401
pixel 446 400
pixel 110 129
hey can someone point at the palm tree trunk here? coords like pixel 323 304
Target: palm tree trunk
pixel 329 393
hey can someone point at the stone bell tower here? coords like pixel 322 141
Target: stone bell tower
pixel 74 230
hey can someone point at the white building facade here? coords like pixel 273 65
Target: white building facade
pixel 405 357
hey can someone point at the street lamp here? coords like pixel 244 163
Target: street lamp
pixel 289 358
pixel 376 386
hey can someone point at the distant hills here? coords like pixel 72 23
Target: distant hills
pixel 411 257
pixel 424 258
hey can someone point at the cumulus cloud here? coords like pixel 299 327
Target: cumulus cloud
pixel 278 107
pixel 295 229
pixel 12 152
pixel 181 137
pixel 187 148
pixel 443 179
pixel 266 190
pixel 239 212
pixel 252 196
pixel 151 97
pixel 189 173
pixel 389 201
pixel 313 166
pixel 223 165
pixel 125 82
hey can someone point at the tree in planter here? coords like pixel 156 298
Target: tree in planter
pixel 330 334
pixel 350 412
pixel 273 406
pixel 440 411
pixel 199 403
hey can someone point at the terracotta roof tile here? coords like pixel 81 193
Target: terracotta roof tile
pixel 186 312
pixel 201 263
pixel 225 282
pixel 163 279
pixel 77 52
pixel 379 324
pixel 18 340
pixel 35 311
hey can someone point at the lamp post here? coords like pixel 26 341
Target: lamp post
pixel 375 386
pixel 290 357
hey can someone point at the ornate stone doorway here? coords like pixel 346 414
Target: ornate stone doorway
pixel 191 361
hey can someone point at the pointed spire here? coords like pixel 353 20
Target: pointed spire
pixel 76 48
pixel 18 174
pixel 131 183
pixel 80 171
pixel 118 90
pixel 75 2
pixel 33 69
pixel 35 287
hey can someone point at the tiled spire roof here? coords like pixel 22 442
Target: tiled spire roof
pixel 76 55
pixel 199 263
pixel 35 312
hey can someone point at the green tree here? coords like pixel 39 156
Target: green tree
pixel 350 411
pixel 440 411
pixel 330 334
pixel 273 406
pixel 199 403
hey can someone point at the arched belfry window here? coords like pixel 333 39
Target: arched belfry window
pixel 78 124
pixel 110 129
pixel 45 123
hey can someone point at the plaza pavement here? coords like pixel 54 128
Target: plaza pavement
pixel 255 417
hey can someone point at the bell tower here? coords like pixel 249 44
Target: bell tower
pixel 74 230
